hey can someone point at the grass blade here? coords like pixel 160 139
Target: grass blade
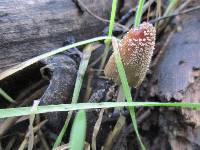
pixel 29 62
pixel 108 41
pixel 6 96
pixel 139 13
pixel 12 112
pixel 96 130
pixel 125 87
pixel 171 7
pixel 112 18
pixel 81 72
pixel 77 136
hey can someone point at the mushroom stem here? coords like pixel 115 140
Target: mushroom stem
pixel 120 98
pixel 120 95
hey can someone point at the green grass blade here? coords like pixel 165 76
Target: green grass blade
pixel 125 87
pixel 62 132
pixel 82 69
pixel 139 13
pixel 112 17
pixel 21 111
pixel 79 80
pixel 29 62
pixel 171 7
pixel 108 41
pixel 77 136
pixel 6 96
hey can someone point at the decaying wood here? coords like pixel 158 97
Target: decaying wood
pixel 175 70
pixel 30 28
pixel 177 77
pixel 192 94
pixel 179 134
pixel 62 74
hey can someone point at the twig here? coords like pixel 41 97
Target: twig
pixel 88 87
pixel 96 129
pixel 36 140
pixel 7 124
pixel 176 14
pixel 163 23
pixel 140 119
pixel 10 143
pixel 31 120
pixel 41 135
pixel 84 7
pixel 31 89
pixel 44 142
pixel 158 10
pixel 122 138
pixel 11 121
pixel 96 61
pixel 113 135
pixel 131 11
pixel 120 98
pixel 67 146
pixel 143 116
pixel 63 147
pixel 137 93
pixel 35 129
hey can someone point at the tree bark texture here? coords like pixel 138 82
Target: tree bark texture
pixel 30 28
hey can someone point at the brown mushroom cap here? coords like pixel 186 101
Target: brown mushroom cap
pixel 136 49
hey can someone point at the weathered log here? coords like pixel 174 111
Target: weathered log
pixel 177 77
pixel 30 28
pixel 179 65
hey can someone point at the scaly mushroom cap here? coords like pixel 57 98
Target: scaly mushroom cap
pixel 136 49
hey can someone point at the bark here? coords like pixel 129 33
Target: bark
pixel 179 66
pixel 177 78
pixel 30 28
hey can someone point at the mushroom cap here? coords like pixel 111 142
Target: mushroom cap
pixel 136 49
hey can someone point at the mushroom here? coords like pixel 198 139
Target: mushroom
pixel 136 49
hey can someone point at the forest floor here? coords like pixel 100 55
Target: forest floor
pixel 173 76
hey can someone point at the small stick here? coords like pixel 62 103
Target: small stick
pixel 175 14
pixel 84 7
pixel 10 143
pixel 120 98
pixel 43 140
pixel 113 135
pixel 96 129
pixel 41 135
pixel 35 129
